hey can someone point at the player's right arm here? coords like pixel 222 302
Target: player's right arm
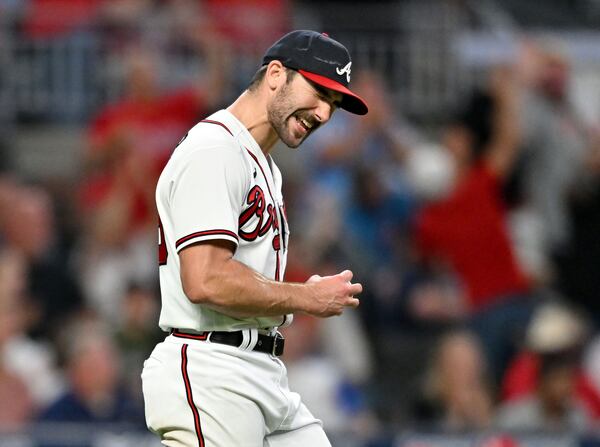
pixel 211 277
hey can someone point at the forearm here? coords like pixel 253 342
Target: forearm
pixel 238 291
pixel 211 277
pixel 506 121
pixel 506 133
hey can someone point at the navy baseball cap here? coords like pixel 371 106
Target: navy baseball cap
pixel 321 59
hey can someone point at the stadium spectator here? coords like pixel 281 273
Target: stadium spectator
pixel 456 395
pixel 29 229
pixel 94 393
pixel 556 144
pixel 547 381
pixel 130 142
pixel 551 407
pixel 270 19
pixel 16 406
pixel 137 333
pixel 33 362
pixel 466 231
pixel 16 403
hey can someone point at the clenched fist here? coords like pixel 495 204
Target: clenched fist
pixel 331 294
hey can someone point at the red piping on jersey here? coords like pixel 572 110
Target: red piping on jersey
pixel 263 173
pixel 203 336
pixel 283 228
pixel 190 397
pixel 206 233
pixel 274 202
pixel 219 124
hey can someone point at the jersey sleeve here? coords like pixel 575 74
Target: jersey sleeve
pixel 207 196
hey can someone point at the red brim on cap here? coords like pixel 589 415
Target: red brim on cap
pixel 350 101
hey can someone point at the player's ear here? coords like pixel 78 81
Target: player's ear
pixel 275 75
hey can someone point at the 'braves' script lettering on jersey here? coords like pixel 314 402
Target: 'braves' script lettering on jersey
pixel 257 207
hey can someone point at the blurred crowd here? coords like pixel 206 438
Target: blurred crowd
pixel 475 238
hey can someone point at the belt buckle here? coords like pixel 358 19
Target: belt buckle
pixel 278 344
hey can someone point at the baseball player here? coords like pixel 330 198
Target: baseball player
pixel 217 380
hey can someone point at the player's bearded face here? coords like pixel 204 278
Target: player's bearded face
pixel 292 124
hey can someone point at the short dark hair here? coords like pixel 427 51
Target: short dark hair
pixel 260 74
pixel 477 117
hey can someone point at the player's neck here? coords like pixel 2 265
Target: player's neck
pixel 251 111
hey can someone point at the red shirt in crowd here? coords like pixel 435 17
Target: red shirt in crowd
pixel 468 230
pixel 150 128
pixel 53 18
pixel 270 20
pixel 522 378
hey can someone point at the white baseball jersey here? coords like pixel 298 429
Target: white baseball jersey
pixel 218 184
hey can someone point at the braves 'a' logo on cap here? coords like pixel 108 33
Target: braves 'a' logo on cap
pixel 346 69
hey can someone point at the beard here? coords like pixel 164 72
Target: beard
pixel 281 111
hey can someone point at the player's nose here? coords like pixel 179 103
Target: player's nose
pixel 323 111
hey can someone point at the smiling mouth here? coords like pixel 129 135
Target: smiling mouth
pixel 305 124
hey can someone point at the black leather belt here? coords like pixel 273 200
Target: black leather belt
pixel 269 344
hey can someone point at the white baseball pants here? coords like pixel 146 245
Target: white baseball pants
pixel 202 394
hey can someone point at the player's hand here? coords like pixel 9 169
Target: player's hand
pixel 331 294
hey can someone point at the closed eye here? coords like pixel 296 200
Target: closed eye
pixel 327 96
pixel 334 103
